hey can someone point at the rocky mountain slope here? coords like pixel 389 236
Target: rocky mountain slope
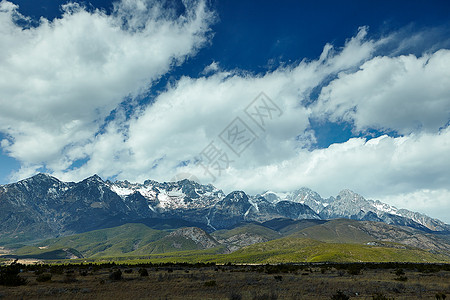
pixel 350 205
pixel 375 233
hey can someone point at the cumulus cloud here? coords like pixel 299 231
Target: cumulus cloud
pixel 164 138
pixel 404 94
pixel 433 202
pixel 211 68
pixel 61 78
pixel 376 167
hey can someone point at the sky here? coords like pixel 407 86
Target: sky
pixel 246 95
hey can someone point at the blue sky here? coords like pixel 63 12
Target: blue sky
pixel 144 89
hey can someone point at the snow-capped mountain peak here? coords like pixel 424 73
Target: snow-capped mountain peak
pixel 184 194
pixel 45 206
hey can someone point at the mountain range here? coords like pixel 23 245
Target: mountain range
pixel 98 218
pixel 43 207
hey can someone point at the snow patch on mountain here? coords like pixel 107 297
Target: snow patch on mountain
pixel 379 206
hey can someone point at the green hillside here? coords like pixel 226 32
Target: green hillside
pixel 251 229
pixel 104 242
pixel 132 239
pixel 334 241
pixel 336 231
pixel 291 249
pixel 289 226
pixel 168 244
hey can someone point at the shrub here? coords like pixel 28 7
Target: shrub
pixel 278 278
pixel 9 275
pixel 380 296
pixel 116 275
pixel 399 272
pixel 271 296
pixel 354 270
pixel 340 296
pixel 235 296
pixel 57 270
pixel 70 278
pixel 39 271
pixel 128 271
pixel 440 296
pixel 210 283
pixel 143 272
pixel 44 277
pixel 401 278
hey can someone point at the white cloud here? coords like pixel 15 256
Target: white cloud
pixel 404 93
pixel 59 80
pixel 194 111
pixel 211 68
pixel 71 90
pixel 376 168
pixel 431 202
pixel 385 168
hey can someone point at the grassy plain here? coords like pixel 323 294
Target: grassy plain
pixel 210 281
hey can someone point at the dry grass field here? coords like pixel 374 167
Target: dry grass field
pixel 229 282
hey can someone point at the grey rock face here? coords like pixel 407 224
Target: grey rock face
pixel 351 205
pixel 230 210
pixel 238 241
pixel 199 236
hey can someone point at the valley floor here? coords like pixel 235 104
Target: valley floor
pixel 231 282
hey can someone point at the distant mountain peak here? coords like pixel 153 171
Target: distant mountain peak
pixel 94 177
pixel 42 176
pixel 347 193
pixel 236 196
